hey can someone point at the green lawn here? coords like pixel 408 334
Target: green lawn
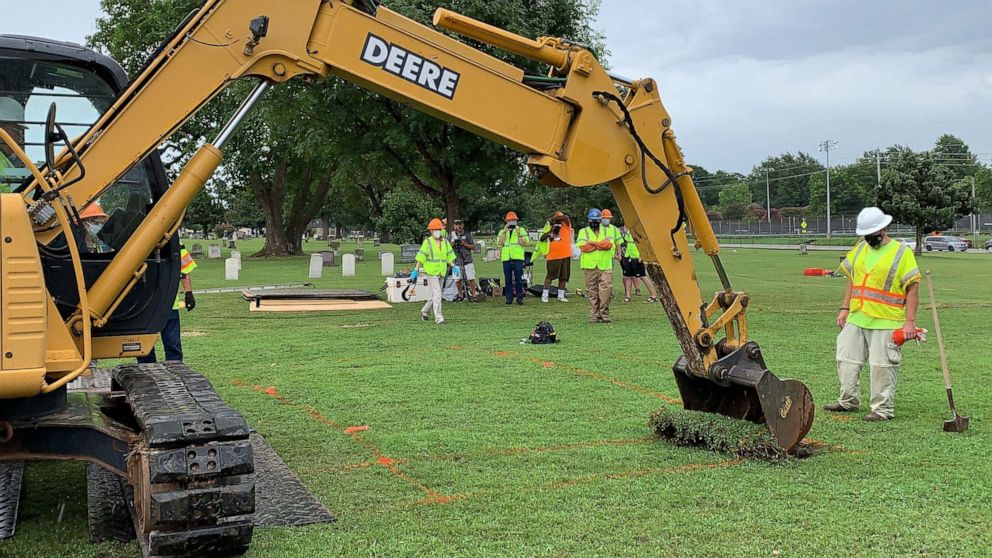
pixel 480 446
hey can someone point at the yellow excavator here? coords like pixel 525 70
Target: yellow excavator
pixel 163 441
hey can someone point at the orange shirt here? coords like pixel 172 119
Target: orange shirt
pixel 559 249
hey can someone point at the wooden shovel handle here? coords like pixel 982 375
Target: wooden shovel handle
pixel 936 329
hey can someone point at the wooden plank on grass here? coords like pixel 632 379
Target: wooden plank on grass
pixel 317 306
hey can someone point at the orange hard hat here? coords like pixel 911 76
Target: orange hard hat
pixel 435 225
pixel 511 216
pixel 93 210
pixel 607 214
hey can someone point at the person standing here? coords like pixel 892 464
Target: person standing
pixel 464 243
pixel 633 267
pixel 171 333
pixel 597 265
pixel 511 241
pixel 557 236
pixel 881 297
pixel 435 258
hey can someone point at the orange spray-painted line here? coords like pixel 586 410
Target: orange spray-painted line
pixel 352 432
pixel 594 376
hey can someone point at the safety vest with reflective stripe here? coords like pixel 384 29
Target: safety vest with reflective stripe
pixel 512 250
pixel 435 257
pixel 631 250
pixel 614 234
pixel 597 259
pixel 186 265
pixel 880 292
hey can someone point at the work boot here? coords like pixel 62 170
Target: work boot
pixel 836 407
pixel 424 317
pixel 875 417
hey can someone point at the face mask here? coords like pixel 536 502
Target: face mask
pixel 606 222
pixel 874 240
pixel 94 228
pixel 511 224
pixel 437 234
pixel 594 225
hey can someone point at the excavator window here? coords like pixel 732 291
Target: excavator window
pixel 27 89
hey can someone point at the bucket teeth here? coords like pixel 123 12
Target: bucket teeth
pixel 750 392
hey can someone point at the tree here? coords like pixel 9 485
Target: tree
pixel 954 154
pixel 983 189
pixel 788 179
pixel 852 188
pixel 917 190
pixel 734 201
pixel 204 212
pixel 405 214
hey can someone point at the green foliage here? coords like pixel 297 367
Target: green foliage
pixel 852 188
pixel 734 201
pixel 405 215
pixel 918 190
pixel 951 152
pixel 204 212
pixel 789 179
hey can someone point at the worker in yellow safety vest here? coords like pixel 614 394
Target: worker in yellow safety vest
pixel 596 262
pixel 511 241
pixel 171 339
pixel 613 232
pixel 881 297
pixel 435 258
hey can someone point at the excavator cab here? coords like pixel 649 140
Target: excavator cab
pixel 36 74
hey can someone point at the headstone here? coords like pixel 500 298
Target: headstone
pixel 348 265
pixel 492 254
pixel 316 266
pixel 231 269
pixel 197 251
pixel 387 264
pixel 328 257
pixel 232 244
pixel 237 255
pixel 408 252
pixel 375 241
pixel 360 254
pixel 334 245
pixel 480 247
pixel 213 252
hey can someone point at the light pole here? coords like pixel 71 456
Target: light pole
pixel 827 145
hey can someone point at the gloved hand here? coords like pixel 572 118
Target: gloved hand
pixel 414 274
pixel 606 245
pixel 190 301
pixel 454 271
pixel 589 247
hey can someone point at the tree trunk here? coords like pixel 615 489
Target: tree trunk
pixel 919 242
pixel 271 199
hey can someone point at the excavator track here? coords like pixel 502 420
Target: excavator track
pixel 191 488
pixel 11 474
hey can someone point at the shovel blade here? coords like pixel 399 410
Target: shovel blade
pixel 956 424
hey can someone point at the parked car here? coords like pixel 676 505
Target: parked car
pixel 911 244
pixel 949 243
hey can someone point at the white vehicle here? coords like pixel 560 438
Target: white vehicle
pixel 949 243
pixel 911 244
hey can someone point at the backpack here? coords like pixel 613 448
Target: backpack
pixel 544 334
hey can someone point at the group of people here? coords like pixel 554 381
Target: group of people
pixel 598 247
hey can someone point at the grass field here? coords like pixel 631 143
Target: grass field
pixel 480 446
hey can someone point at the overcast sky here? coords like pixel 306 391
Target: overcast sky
pixel 743 80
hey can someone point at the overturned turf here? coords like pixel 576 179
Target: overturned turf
pixel 741 438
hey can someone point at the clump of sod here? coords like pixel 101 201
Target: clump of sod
pixel 741 438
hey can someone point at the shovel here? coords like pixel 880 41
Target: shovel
pixel 958 423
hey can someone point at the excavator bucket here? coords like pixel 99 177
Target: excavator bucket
pixel 742 387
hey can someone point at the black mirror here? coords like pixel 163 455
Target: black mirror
pixel 51 136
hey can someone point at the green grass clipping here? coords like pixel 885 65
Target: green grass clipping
pixel 713 432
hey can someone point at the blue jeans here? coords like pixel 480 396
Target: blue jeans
pixel 170 340
pixel 513 280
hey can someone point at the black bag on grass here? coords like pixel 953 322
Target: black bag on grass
pixel 544 334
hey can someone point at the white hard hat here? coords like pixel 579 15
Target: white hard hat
pixel 871 220
pixel 11 110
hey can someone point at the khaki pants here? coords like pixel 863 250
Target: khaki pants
pixel 433 298
pixel 599 291
pixel 855 346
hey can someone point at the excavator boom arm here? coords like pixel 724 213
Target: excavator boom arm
pixel 577 129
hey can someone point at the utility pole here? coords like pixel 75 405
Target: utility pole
pixel 768 196
pixel 827 145
pixel 974 219
pixel 878 166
